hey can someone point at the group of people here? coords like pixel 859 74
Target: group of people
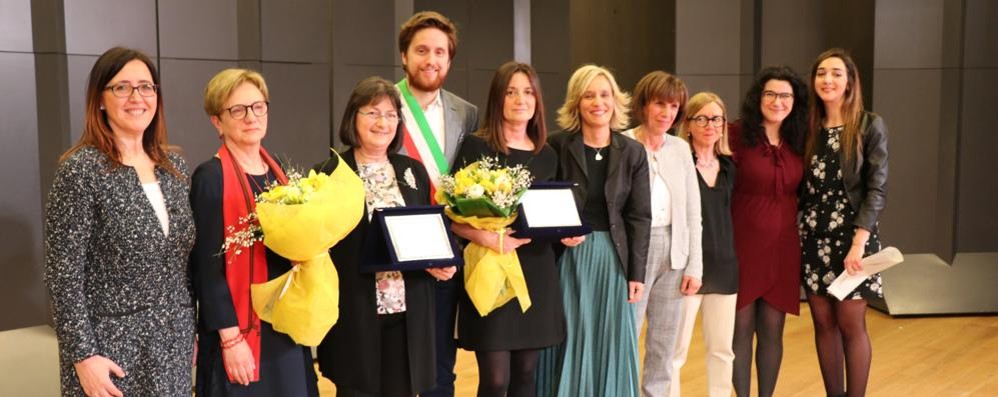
pixel 691 212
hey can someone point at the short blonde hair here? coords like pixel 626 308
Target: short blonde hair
pixel 569 116
pixel 697 102
pixel 221 86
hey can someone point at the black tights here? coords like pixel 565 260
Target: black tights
pixel 840 336
pixel 507 373
pixel 765 322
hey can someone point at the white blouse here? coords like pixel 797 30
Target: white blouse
pixel 155 196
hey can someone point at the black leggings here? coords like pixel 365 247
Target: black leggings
pixel 765 322
pixel 507 373
pixel 841 340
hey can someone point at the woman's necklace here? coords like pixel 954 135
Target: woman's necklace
pixel 599 153
pixel 706 163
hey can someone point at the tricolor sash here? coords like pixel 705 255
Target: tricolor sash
pixel 418 139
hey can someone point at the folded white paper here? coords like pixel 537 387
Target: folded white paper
pixel 876 263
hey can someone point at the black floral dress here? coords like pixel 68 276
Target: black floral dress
pixel 826 227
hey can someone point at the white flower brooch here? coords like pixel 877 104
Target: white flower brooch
pixel 410 179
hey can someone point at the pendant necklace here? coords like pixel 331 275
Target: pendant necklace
pixel 599 155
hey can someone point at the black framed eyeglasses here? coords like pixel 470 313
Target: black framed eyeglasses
pixel 125 90
pixel 717 121
pixel 773 95
pixel 239 112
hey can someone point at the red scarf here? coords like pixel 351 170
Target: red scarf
pixel 249 267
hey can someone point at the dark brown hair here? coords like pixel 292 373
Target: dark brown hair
pixel 491 130
pixel 658 85
pixel 96 130
pixel 428 19
pixel 852 106
pixel 368 92
pixel 793 129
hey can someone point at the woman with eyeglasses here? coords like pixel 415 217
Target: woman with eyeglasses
pixel 844 193
pixel 383 343
pixel 118 231
pixel 674 268
pixel 768 144
pixel 706 130
pixel 239 355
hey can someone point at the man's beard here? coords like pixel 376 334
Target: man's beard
pixel 415 81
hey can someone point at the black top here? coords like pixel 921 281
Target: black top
pixel 285 367
pixel 595 211
pixel 350 354
pixel 509 328
pixel 720 266
pixel 628 197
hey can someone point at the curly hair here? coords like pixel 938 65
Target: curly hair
pixel 793 130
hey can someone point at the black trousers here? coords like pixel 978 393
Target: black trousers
pixel 447 295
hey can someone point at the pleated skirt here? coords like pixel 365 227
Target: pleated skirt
pixel 600 354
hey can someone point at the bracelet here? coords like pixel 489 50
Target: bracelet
pixel 228 344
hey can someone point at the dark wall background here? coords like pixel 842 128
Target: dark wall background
pixel 930 67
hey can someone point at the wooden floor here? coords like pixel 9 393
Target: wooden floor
pixel 928 356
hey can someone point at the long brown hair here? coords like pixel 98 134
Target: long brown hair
pixel 96 130
pixel 491 131
pixel 852 107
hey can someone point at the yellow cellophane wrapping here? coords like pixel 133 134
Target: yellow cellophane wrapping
pixel 304 302
pixel 490 278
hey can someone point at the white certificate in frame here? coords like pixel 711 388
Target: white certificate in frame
pixel 419 237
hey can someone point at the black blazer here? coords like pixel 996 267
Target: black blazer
pixel 628 195
pixel 351 352
pixel 865 178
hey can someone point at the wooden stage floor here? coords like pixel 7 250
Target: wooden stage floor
pixel 926 356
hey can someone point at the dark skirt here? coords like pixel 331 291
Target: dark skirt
pixel 508 327
pixel 286 368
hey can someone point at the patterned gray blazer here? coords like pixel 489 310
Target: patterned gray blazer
pixel 119 287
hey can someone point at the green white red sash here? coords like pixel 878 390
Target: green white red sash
pixel 418 139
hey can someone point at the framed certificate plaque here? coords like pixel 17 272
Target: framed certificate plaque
pixel 548 211
pixel 409 238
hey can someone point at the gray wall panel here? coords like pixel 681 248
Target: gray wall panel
pixel 909 34
pixel 707 51
pixel 914 155
pixel 93 26
pixel 550 53
pixel 365 35
pixel 554 86
pixel 491 24
pixel 790 34
pixel 299 115
pixel 77 70
pixel 15 25
pixel 981 45
pixel 297 31
pixel 20 208
pixel 198 29
pixel 978 184
pixel 183 95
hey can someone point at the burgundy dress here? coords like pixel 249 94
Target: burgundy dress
pixel 764 213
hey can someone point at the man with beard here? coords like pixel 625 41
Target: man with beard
pixel 436 122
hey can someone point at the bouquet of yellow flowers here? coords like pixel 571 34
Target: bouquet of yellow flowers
pixel 484 195
pixel 301 221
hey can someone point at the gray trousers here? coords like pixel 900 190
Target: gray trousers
pixel 662 303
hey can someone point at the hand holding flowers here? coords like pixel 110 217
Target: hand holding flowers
pixel 481 199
